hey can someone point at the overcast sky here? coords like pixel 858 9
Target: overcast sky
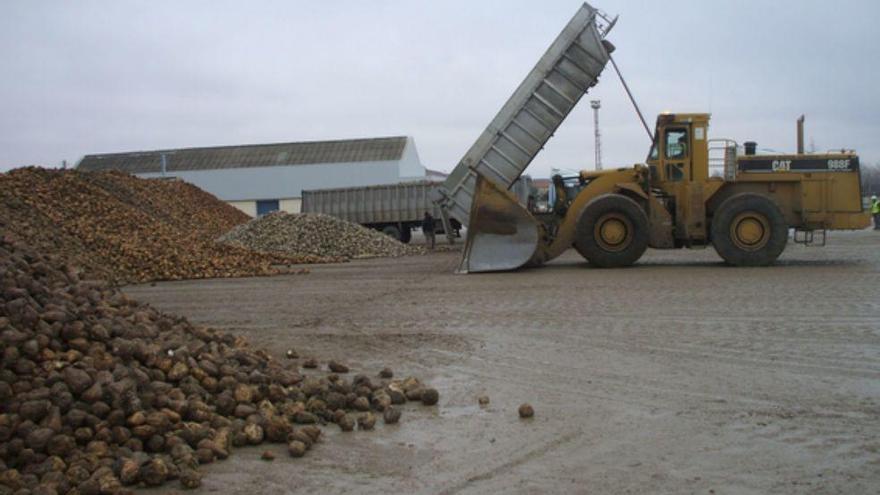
pixel 104 76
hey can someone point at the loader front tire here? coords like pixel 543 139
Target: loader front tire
pixel 749 230
pixel 612 231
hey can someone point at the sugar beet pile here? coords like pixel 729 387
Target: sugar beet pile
pixel 124 229
pixel 99 392
pixel 314 234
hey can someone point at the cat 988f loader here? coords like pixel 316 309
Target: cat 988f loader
pixel 742 203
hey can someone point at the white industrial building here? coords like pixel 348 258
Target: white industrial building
pixel 261 178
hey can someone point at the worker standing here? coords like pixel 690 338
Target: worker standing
pixel 428 229
pixel 875 211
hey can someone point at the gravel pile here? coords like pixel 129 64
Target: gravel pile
pixel 127 229
pixel 99 393
pixel 315 234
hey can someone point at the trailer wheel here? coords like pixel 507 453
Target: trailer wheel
pixel 749 230
pixel 391 231
pixel 405 235
pixel 612 231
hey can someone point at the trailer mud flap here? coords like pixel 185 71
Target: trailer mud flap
pixel 502 234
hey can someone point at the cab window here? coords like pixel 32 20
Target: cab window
pixel 676 144
pixel 674 172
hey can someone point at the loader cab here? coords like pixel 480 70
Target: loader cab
pixel 679 153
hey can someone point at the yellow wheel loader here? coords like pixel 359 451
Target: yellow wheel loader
pixel 744 205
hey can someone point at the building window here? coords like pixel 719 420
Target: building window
pixel 266 206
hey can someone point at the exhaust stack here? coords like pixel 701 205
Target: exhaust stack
pixel 800 135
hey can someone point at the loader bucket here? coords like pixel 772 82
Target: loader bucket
pixel 502 234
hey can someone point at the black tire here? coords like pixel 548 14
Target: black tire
pixel 391 231
pixel 406 235
pixel 612 231
pixel 749 230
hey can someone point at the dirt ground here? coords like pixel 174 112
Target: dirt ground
pixel 678 375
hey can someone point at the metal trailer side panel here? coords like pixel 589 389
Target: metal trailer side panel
pixel 392 203
pixel 569 68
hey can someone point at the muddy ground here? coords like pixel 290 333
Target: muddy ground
pixel 678 375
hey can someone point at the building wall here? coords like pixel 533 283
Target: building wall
pixel 243 187
pixel 410 167
pixel 239 184
pixel 435 176
pixel 289 205
pixel 249 207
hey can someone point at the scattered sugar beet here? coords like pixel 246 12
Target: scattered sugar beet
pixel 345 422
pixel 314 234
pixel 337 367
pixel 366 421
pixel 391 415
pixel 100 394
pixel 296 448
pixel 526 411
pixel 430 396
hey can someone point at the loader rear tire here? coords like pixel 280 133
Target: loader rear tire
pixel 612 231
pixel 749 230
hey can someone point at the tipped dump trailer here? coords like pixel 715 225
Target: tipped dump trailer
pixel 568 69
pixel 394 209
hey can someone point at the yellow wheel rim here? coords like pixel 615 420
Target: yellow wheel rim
pixel 750 231
pixel 613 232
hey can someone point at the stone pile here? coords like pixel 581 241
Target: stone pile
pixel 127 229
pixel 315 234
pixel 99 393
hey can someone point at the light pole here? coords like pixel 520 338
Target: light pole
pixel 595 105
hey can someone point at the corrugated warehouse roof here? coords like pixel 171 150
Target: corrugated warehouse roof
pixel 252 155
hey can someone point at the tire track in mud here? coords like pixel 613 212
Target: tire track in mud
pixel 715 354
pixel 776 354
pixel 500 469
pixel 773 352
pixel 541 379
pixel 520 357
